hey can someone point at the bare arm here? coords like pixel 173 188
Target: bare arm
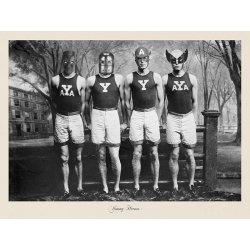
pixel 164 84
pixel 194 95
pixel 120 81
pixel 89 83
pixel 128 82
pixel 81 83
pixel 160 96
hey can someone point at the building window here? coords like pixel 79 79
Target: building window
pixel 16 102
pixel 17 114
pixel 42 116
pixel 34 106
pixel 19 94
pixel 36 128
pixel 28 129
pixel 35 116
pixel 27 115
pixel 15 93
pixel 25 96
pixel 38 106
pixel 26 104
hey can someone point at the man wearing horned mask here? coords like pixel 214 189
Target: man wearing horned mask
pixel 181 90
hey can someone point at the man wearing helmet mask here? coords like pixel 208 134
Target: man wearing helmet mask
pixel 181 90
pixel 68 96
pixel 106 89
pixel 144 86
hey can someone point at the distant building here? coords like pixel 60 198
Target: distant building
pixel 28 115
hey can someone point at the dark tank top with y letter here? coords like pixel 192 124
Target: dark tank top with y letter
pixel 68 98
pixel 179 94
pixel 105 92
pixel 143 90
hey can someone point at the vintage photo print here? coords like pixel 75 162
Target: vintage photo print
pixel 147 125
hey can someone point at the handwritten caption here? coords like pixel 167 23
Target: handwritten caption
pixel 128 208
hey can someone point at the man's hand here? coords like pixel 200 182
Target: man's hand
pixel 123 126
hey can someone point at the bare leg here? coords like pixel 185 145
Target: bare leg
pixel 101 154
pixel 174 166
pixel 136 162
pixel 65 167
pixel 155 165
pixel 116 165
pixel 78 167
pixel 190 165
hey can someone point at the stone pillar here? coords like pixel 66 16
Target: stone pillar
pixel 210 147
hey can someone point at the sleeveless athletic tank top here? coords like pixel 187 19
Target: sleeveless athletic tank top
pixel 105 92
pixel 67 95
pixel 143 91
pixel 179 94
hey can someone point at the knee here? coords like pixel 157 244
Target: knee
pixel 64 159
pixel 174 156
pixel 153 155
pixel 189 157
pixel 137 154
pixel 79 158
pixel 102 156
pixel 114 157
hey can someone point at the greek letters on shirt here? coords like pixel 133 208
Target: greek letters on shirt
pixel 66 90
pixel 179 85
pixel 143 83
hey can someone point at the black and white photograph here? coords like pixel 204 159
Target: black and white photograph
pixel 124 121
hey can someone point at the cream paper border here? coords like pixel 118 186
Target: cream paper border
pixel 154 210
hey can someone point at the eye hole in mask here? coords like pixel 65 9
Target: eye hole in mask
pixel 71 62
pixel 145 59
pixel 109 63
pixel 177 61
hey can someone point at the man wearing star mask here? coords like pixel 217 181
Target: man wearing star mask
pixel 181 90
pixel 144 87
pixel 106 89
pixel 68 96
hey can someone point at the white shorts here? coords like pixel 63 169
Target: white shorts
pixel 69 128
pixel 105 127
pixel 144 125
pixel 181 130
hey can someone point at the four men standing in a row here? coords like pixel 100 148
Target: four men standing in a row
pixel 137 95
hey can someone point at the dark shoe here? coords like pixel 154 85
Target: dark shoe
pixel 103 192
pixel 158 192
pixel 81 193
pixel 119 192
pixel 135 192
pixel 66 195
pixel 192 190
pixel 174 192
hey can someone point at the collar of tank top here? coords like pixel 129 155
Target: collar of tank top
pixel 104 76
pixel 69 76
pixel 143 73
pixel 178 73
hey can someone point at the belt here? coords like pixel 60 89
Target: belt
pixel 70 113
pixel 181 115
pixel 144 110
pixel 105 109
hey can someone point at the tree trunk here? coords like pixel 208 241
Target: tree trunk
pixel 238 96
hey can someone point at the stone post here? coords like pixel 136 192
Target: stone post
pixel 210 147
